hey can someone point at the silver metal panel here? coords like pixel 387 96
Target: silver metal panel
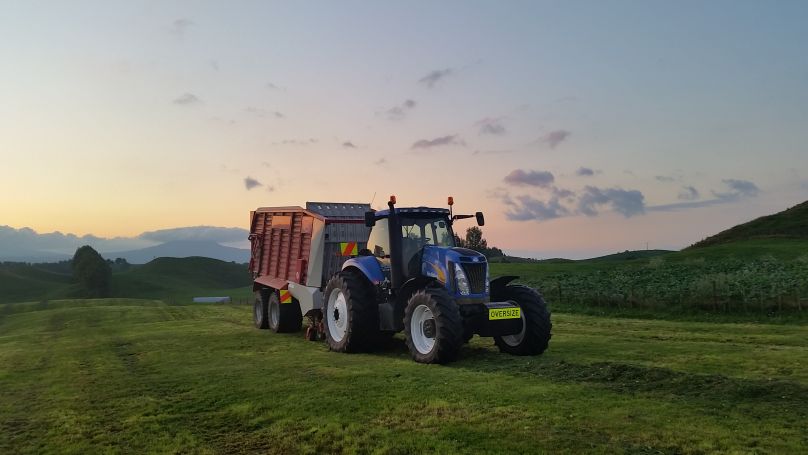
pixel 335 234
pixel 314 275
pixel 339 210
pixel 309 298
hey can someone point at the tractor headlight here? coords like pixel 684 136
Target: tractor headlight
pixel 461 280
pixel 487 280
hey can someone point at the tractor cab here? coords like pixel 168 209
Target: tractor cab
pixel 418 243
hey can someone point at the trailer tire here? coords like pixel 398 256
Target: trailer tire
pixel 536 332
pixel 260 312
pixel 284 317
pixel 350 314
pixel 446 327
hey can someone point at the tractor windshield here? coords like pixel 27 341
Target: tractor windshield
pixel 426 231
pixel 418 232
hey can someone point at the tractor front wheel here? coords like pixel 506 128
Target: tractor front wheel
pixel 536 325
pixel 432 326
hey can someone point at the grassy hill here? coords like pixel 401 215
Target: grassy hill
pixel 182 278
pixel 162 278
pixel 21 282
pixel 146 377
pixel 791 223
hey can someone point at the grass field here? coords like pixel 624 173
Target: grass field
pixel 140 376
pixel 763 277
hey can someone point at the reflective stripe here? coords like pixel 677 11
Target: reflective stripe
pixel 286 297
pixel 348 248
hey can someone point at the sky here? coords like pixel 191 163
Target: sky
pixel 579 128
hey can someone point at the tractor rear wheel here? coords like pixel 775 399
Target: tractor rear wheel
pixel 432 326
pixel 260 311
pixel 284 317
pixel 536 325
pixel 351 316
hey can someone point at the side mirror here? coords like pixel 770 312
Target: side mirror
pixel 480 219
pixel 370 218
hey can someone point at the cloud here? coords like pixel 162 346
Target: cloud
pixel 263 113
pixel 399 112
pixel 519 177
pixel 584 172
pixel 529 208
pixel 187 99
pixel 561 202
pixel 301 142
pixel 491 152
pixel 625 202
pixel 554 138
pixel 736 190
pixel 491 126
pixel 272 86
pixel 196 233
pixel 380 161
pixel 435 76
pixel 664 178
pixel 251 183
pixel 437 142
pixel 348 145
pixel 180 26
pixel 688 193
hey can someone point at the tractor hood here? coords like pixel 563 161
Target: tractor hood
pixel 437 262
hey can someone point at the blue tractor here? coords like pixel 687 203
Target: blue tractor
pixel 413 278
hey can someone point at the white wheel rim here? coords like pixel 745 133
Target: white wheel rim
pixel 423 344
pixel 274 314
pixel 257 312
pixel 336 315
pixel 516 339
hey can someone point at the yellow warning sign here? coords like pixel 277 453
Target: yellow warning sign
pixel 286 297
pixel 348 248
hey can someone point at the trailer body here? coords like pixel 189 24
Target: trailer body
pixel 298 249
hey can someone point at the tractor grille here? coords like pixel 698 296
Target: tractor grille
pixel 476 276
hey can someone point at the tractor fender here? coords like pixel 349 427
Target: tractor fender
pixel 498 285
pixel 369 266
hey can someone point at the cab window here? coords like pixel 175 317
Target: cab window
pixel 379 240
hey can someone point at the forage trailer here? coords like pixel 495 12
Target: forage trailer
pixel 359 276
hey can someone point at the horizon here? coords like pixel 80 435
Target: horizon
pixel 579 129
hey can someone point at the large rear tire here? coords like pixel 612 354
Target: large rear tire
pixel 284 317
pixel 260 311
pixel 351 315
pixel 432 326
pixel 536 326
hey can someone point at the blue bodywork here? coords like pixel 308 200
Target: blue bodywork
pixel 436 262
pixel 370 267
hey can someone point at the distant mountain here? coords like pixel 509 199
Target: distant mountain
pixel 182 249
pixel 791 223
pixel 27 245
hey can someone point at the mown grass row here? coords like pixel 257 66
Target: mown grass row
pixel 144 377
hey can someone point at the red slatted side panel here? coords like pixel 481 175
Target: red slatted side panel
pixel 285 238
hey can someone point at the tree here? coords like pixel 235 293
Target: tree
pixel 475 240
pixel 92 272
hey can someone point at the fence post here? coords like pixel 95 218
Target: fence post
pixel 715 296
pixel 559 291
